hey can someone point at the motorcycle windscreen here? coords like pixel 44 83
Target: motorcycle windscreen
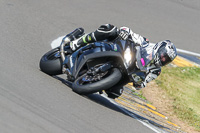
pixel 56 43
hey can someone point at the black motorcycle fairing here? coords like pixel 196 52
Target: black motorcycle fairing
pixel 102 52
pixel 103 56
pixel 86 55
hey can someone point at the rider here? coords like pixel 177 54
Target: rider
pixel 159 54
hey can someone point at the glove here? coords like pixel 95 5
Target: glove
pixel 123 34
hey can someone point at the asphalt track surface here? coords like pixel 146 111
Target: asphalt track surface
pixel 31 101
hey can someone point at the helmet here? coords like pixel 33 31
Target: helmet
pixel 165 53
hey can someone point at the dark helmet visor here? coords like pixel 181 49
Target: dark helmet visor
pixel 163 56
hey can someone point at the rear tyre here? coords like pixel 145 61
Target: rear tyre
pixel 112 78
pixel 51 63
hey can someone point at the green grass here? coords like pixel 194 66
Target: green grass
pixel 183 85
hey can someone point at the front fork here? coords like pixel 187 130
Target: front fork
pixel 65 41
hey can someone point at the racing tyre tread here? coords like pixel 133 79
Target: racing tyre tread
pixel 51 66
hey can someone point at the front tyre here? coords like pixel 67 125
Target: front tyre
pixel 51 63
pixel 111 78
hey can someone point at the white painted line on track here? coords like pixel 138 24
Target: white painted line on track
pixel 188 52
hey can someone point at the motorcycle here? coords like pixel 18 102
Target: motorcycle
pixel 95 67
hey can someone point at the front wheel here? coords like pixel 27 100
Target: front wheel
pixel 51 63
pixel 83 86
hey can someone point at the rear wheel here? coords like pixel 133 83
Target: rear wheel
pixel 51 63
pixel 87 84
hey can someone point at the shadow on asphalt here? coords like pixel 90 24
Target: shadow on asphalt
pixel 104 102
pixel 95 97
